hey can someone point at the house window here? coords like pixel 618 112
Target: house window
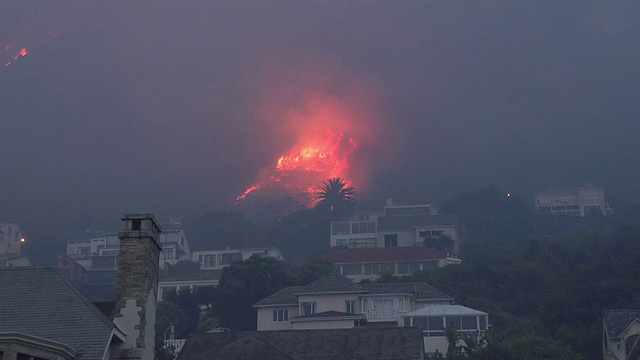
pixel 401 304
pixel 352 269
pixel 341 242
pixel 391 240
pixel 280 315
pixel 350 306
pixel 307 308
pixel 209 261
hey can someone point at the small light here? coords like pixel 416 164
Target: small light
pixel 508 194
pixel 23 240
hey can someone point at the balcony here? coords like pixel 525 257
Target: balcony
pixel 174 345
pixel 382 314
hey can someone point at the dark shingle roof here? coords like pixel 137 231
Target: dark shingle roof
pixel 423 291
pixel 42 302
pixel 284 296
pixel 335 344
pixel 410 253
pixel 333 282
pixel 410 222
pixel 617 320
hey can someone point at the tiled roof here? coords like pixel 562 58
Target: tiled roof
pixel 411 253
pixel 335 344
pixel 42 302
pixel 617 320
pixel 422 291
pixel 413 221
pixel 333 282
pixel 282 297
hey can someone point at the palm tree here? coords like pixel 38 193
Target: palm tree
pixel 337 197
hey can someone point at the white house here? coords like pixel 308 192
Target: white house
pixel 11 238
pixel 218 259
pixel 621 334
pixel 335 302
pixel 576 201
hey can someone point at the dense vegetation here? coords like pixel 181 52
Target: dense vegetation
pixel 543 279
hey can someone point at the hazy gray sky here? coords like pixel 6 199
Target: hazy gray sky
pixel 169 106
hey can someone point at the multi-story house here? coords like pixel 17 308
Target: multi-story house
pixel 575 201
pixel 336 302
pixel 371 263
pixel 92 248
pixel 395 226
pixel 218 259
pixel 11 238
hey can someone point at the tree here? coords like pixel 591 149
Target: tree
pixel 337 198
pixel 244 283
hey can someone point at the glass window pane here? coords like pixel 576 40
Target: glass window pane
pixel 420 322
pixel 455 320
pixel 483 322
pixel 469 323
pixel 435 323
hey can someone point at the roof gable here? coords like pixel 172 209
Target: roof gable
pixel 616 321
pixel 41 302
pixel 282 297
pixel 333 282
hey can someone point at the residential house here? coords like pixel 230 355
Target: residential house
pixel 396 226
pixel 621 334
pixel 11 238
pixel 101 248
pixel 335 344
pixel 219 259
pixel 336 302
pixel 434 319
pixel 369 263
pixel 43 315
pixel 575 201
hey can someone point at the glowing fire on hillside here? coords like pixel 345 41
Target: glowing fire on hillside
pixel 10 54
pixel 308 164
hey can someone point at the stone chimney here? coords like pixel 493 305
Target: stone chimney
pixel 137 292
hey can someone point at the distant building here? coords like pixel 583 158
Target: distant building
pixel 219 259
pixel 11 238
pixel 92 248
pixel 574 201
pixel 370 263
pixel 395 226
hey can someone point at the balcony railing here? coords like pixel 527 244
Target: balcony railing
pixel 382 314
pixel 174 345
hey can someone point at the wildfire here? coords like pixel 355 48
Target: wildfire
pixel 307 164
pixel 13 54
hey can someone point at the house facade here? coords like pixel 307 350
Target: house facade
pixel 574 201
pixel 98 248
pixel 336 302
pixel 395 226
pixel 11 238
pixel 219 259
pixel 371 263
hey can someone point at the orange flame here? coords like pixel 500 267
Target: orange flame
pixel 11 58
pixel 322 157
